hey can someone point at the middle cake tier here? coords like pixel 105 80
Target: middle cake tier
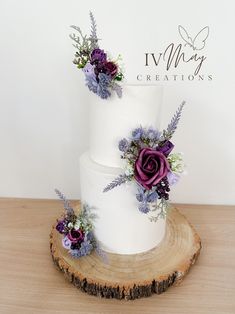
pixel 119 227
pixel 114 118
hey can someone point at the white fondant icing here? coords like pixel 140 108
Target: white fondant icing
pixel 114 118
pixel 120 227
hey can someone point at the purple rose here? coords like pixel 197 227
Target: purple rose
pixel 75 235
pixel 166 148
pixel 150 167
pixel 98 56
pixel 108 68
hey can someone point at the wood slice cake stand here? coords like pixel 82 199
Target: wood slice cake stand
pixel 133 276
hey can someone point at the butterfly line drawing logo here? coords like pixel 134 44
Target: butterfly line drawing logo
pixel 199 41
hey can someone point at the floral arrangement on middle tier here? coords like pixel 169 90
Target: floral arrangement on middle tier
pixel 151 164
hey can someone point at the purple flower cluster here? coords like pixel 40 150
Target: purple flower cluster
pixel 102 65
pixel 78 237
pixel 149 134
pixel 123 145
pixel 101 74
pixel 147 154
pixel 85 249
pixel 145 197
pixel 76 240
pixel 151 165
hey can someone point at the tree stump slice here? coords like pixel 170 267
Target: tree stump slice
pixel 137 275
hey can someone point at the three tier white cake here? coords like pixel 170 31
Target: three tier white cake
pixel 125 177
pixel 119 227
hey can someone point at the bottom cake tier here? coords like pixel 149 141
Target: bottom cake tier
pixel 119 227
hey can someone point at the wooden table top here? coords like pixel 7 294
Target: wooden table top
pixel 29 282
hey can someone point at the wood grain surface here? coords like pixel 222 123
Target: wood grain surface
pixel 136 275
pixel 29 282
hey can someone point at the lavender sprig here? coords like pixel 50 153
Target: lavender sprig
pixel 172 126
pixel 88 212
pixel 67 206
pixel 122 178
pixel 93 37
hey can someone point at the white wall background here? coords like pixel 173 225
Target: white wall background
pixel 43 109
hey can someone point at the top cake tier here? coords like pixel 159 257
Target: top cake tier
pixel 114 118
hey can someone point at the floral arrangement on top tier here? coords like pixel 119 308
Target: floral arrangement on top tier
pixel 101 74
pixel 77 230
pixel 150 163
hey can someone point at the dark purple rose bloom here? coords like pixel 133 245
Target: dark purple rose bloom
pixel 75 235
pixel 108 68
pixel 98 56
pixel 60 226
pixel 150 167
pixel 166 148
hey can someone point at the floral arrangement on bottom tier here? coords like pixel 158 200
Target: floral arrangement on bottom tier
pixel 151 165
pixel 77 230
